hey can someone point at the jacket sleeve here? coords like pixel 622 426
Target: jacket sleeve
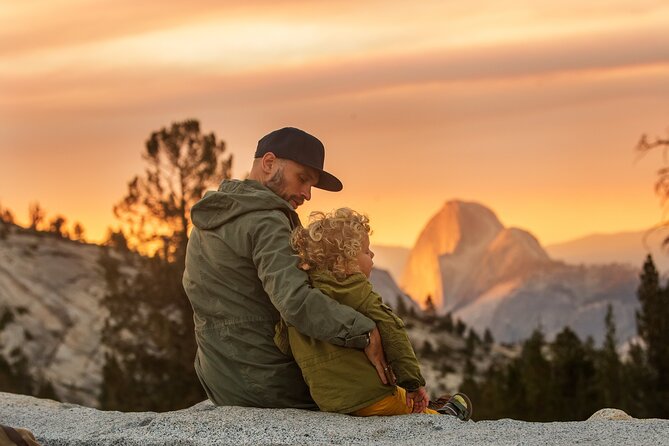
pixel 307 309
pixel 396 344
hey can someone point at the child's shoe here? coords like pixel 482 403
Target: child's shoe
pixel 459 405
pixel 439 402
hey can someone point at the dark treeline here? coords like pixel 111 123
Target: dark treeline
pixel 57 226
pixel 570 379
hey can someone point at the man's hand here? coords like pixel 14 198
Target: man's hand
pixel 419 399
pixel 374 352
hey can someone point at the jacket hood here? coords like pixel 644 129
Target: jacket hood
pixel 234 198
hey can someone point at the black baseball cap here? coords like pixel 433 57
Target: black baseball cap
pixel 299 146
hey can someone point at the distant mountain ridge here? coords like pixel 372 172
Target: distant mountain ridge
pixel 630 247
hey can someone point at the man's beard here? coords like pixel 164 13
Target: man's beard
pixel 277 185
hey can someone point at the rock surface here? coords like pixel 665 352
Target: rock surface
pixel 56 424
pixel 610 414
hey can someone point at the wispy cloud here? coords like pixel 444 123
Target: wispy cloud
pixel 117 87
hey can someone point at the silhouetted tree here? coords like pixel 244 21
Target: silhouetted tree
pixel 78 232
pixel 6 216
pixel 430 312
pixel 6 219
pixel 117 240
pixel 36 215
pixel 182 163
pixel 57 226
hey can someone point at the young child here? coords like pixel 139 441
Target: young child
pixel 334 249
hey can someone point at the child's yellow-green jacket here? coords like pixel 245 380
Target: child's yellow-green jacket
pixel 342 379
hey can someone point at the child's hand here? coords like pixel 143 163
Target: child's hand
pixel 419 398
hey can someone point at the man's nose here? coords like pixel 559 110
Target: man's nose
pixel 307 193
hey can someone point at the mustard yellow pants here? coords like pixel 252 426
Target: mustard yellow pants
pixel 390 405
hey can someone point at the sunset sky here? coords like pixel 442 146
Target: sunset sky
pixel 530 108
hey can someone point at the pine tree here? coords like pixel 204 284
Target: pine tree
pixel 447 321
pixel 6 220
pixel 57 226
pixel 487 337
pixel 469 385
pixel 534 379
pixel 471 342
pixel 6 216
pixel 78 232
pixel 401 309
pixel 149 334
pixel 36 215
pixel 495 398
pixel 653 328
pixel 637 388
pixel 182 164
pixel 430 311
pixel 427 351
pixel 488 340
pixel 460 327
pixel 609 368
pixel 573 378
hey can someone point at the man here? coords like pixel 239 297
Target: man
pixel 241 276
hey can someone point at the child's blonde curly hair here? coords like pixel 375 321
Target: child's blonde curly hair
pixel 331 241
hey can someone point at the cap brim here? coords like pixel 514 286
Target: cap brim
pixel 329 182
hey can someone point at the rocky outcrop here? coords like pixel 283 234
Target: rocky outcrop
pixel 610 414
pixel 463 251
pixel 501 279
pixel 50 292
pixel 56 424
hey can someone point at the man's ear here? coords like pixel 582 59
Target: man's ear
pixel 267 162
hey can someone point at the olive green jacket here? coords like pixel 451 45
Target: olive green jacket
pixel 343 380
pixel 241 276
